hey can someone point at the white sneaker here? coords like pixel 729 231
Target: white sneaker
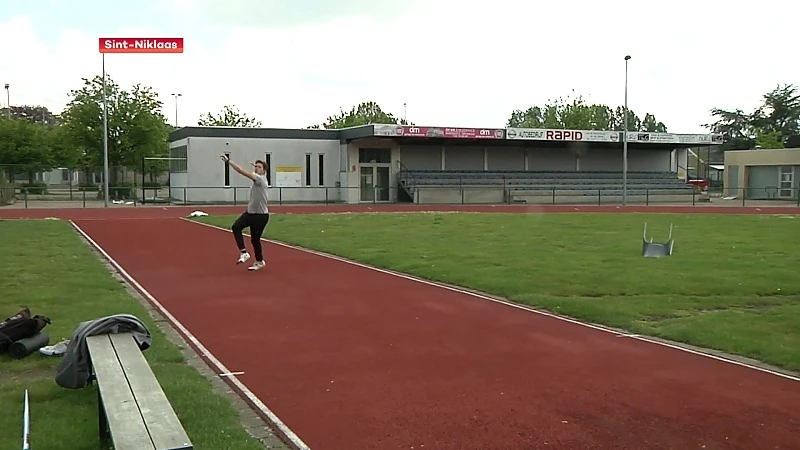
pixel 243 258
pixel 257 266
pixel 55 350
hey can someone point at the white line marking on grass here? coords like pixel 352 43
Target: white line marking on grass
pixel 217 363
pixel 514 305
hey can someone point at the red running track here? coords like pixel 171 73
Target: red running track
pixel 350 358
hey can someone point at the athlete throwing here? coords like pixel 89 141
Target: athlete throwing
pixel 257 215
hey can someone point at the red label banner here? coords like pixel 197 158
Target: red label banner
pixel 450 133
pixel 141 45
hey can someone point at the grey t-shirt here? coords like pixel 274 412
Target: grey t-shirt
pixel 258 196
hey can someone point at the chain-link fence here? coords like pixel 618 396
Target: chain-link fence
pixel 70 184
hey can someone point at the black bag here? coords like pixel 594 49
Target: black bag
pixel 20 326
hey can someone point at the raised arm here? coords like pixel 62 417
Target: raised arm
pixel 238 168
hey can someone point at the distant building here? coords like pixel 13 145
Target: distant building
pixel 762 174
pixel 387 163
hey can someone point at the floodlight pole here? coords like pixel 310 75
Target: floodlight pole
pixel 625 140
pixel 105 136
pixel 176 108
pixel 8 101
pixel 143 168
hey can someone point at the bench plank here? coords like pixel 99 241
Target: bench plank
pixel 165 429
pixel 122 413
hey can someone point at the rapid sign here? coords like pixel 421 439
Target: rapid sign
pixel 543 134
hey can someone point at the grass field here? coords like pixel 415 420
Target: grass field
pixel 45 266
pixel 733 283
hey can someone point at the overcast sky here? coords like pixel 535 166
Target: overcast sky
pixel 469 63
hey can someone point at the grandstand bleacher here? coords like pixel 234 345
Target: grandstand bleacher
pixel 542 187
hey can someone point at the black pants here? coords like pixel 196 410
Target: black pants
pixel 257 223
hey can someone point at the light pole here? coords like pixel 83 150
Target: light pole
pixel 8 101
pixel 176 108
pixel 625 140
pixel 105 137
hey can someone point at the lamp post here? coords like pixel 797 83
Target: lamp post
pixel 8 101
pixel 175 96
pixel 625 140
pixel 105 137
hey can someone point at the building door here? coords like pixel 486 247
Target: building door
pixel 732 189
pixel 374 183
pixel 374 174
pixel 786 182
pixel 382 183
pixel 367 183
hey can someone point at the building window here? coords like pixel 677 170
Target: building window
pixel 786 181
pixel 177 159
pixel 374 155
pixel 308 169
pixel 227 171
pixel 321 170
pixel 268 160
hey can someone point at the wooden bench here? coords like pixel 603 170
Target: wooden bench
pixel 134 411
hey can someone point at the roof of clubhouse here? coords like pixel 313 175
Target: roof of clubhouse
pixel 415 133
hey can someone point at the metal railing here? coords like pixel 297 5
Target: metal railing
pixel 54 197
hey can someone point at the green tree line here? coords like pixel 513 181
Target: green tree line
pixel 34 139
pixel 775 123
pixel 576 114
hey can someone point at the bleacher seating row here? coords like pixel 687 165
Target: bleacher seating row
pixel 476 186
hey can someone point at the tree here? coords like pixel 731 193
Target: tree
pixel 772 125
pixel 25 148
pixel 36 142
pixel 34 113
pixel 579 115
pixel 136 126
pixel 792 141
pixel 364 113
pixel 736 128
pixel 65 153
pixel 768 139
pixel 230 116
pixel 780 112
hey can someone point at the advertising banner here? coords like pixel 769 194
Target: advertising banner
pixel 543 134
pixel 672 138
pixel 438 132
